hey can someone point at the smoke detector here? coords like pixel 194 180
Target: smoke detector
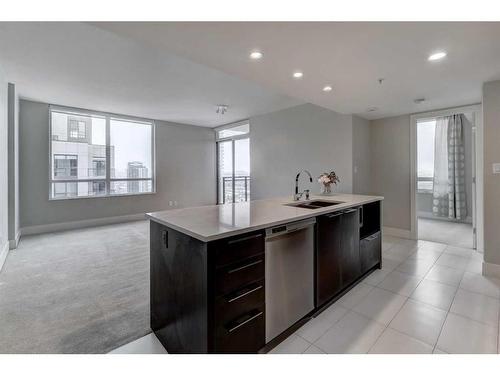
pixel 221 109
pixel 371 109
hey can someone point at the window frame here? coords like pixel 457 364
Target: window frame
pixel 107 178
pixel 233 140
pixel 419 190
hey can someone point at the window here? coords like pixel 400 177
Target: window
pixel 425 154
pixel 98 167
pixel 65 166
pixel 96 154
pixel 77 129
pixel 233 163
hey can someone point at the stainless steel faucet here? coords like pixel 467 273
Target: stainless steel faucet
pixel 298 195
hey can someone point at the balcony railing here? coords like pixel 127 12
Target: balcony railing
pixel 241 189
pixel 75 172
pixel 425 184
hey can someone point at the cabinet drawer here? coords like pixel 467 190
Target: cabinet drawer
pixel 237 275
pixel 234 249
pixel 370 251
pixel 233 305
pixel 246 334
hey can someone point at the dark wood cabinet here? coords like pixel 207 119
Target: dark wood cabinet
pixel 338 262
pixel 349 243
pixel 370 251
pixel 207 297
pixel 328 257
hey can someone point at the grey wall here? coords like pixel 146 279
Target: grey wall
pixel 390 168
pixel 302 137
pixel 361 155
pixel 185 164
pixel 3 166
pixel 13 183
pixel 491 153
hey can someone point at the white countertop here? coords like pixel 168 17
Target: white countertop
pixel 208 223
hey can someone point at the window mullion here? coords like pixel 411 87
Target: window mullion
pixel 108 156
pixel 233 172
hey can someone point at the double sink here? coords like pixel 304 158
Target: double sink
pixel 313 205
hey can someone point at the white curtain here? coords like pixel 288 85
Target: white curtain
pixel 449 168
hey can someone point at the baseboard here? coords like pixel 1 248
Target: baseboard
pixel 3 254
pixel 57 227
pixel 429 215
pixel 13 243
pixel 491 269
pixel 397 232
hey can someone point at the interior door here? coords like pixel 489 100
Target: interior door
pixel 474 184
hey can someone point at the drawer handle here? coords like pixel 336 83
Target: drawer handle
pixel 372 237
pixel 248 320
pixel 245 266
pixel 244 239
pixel 245 293
pixel 331 216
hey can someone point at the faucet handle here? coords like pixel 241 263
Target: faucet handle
pixel 307 194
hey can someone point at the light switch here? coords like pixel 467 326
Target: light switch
pixel 496 168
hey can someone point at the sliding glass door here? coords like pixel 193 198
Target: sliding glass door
pixel 233 164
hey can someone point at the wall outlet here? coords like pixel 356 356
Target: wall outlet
pixel 175 203
pixel 170 203
pixel 496 168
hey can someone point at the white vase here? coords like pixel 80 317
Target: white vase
pixel 326 189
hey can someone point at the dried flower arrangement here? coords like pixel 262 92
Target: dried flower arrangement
pixel 326 180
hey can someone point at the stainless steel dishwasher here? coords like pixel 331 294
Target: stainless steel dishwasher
pixel 289 275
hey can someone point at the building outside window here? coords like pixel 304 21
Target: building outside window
pixel 233 163
pixel 65 166
pixel 77 128
pixel 99 167
pixel 98 154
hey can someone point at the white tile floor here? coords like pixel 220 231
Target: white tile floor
pixel 428 298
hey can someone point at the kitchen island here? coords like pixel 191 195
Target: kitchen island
pixel 239 278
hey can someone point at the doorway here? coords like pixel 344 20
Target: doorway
pixel 444 188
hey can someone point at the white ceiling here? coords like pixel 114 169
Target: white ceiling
pixel 79 65
pixel 350 56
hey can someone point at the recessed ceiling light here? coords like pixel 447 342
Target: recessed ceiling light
pixel 327 88
pixel 298 74
pixel 419 100
pixel 256 55
pixel 437 56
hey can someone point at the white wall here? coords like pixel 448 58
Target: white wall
pixel 491 153
pixel 13 139
pixel 390 168
pixel 4 244
pixel 302 137
pixel 185 165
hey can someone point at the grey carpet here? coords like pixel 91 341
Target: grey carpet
pixel 80 291
pixel 448 232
